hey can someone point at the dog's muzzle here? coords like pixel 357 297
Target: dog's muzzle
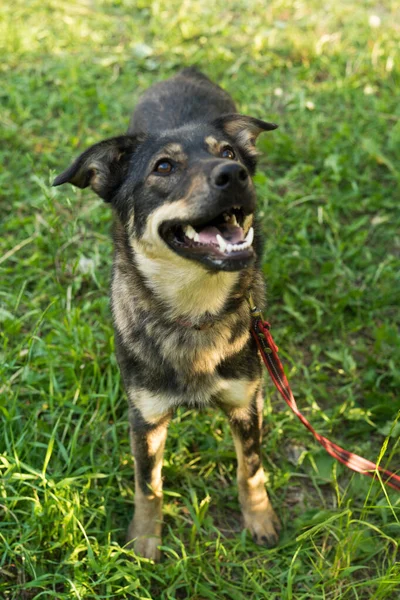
pixel 222 238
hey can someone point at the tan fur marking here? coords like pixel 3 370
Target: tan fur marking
pixel 245 133
pixel 151 238
pixel 173 148
pixel 98 178
pixel 235 126
pixel 247 141
pixel 252 492
pixel 215 146
pixel 124 310
pixel 212 144
pixel 144 531
pixel 155 442
pixel 186 287
pixel 207 361
pixel 259 516
pixel 153 407
pixel 131 221
pixel 207 348
pixel 145 527
pixel 238 392
pixel 174 151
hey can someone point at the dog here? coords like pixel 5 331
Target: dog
pixel 186 256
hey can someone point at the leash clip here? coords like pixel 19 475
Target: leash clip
pixel 255 312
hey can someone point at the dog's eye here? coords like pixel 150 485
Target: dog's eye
pixel 164 167
pixel 227 152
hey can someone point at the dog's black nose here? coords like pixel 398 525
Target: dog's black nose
pixel 228 174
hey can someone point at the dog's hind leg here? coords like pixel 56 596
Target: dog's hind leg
pixel 147 441
pixel 246 425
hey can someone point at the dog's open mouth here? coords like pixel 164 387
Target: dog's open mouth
pixel 224 242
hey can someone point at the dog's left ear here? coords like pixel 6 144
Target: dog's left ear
pixel 243 129
pixel 103 166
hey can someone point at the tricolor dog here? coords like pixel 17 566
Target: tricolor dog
pixel 187 254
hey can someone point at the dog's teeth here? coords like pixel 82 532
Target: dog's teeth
pixel 237 247
pixel 225 247
pixel 250 236
pixel 232 220
pixel 196 237
pixel 189 232
pixel 221 242
pixel 247 222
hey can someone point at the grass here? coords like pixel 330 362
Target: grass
pixel 328 192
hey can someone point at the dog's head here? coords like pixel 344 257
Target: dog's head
pixel 187 191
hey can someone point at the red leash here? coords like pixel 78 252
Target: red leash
pixel 269 353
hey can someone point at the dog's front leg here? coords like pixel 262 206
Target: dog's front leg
pixel 147 442
pixel 246 425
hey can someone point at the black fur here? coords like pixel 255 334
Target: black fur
pixel 189 97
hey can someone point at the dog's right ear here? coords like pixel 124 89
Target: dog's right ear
pixel 243 129
pixel 103 166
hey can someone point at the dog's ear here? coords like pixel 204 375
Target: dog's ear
pixel 103 166
pixel 244 130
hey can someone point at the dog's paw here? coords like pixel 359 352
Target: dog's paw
pixel 263 525
pixel 147 546
pixel 145 543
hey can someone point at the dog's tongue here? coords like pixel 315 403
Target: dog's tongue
pixel 232 234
